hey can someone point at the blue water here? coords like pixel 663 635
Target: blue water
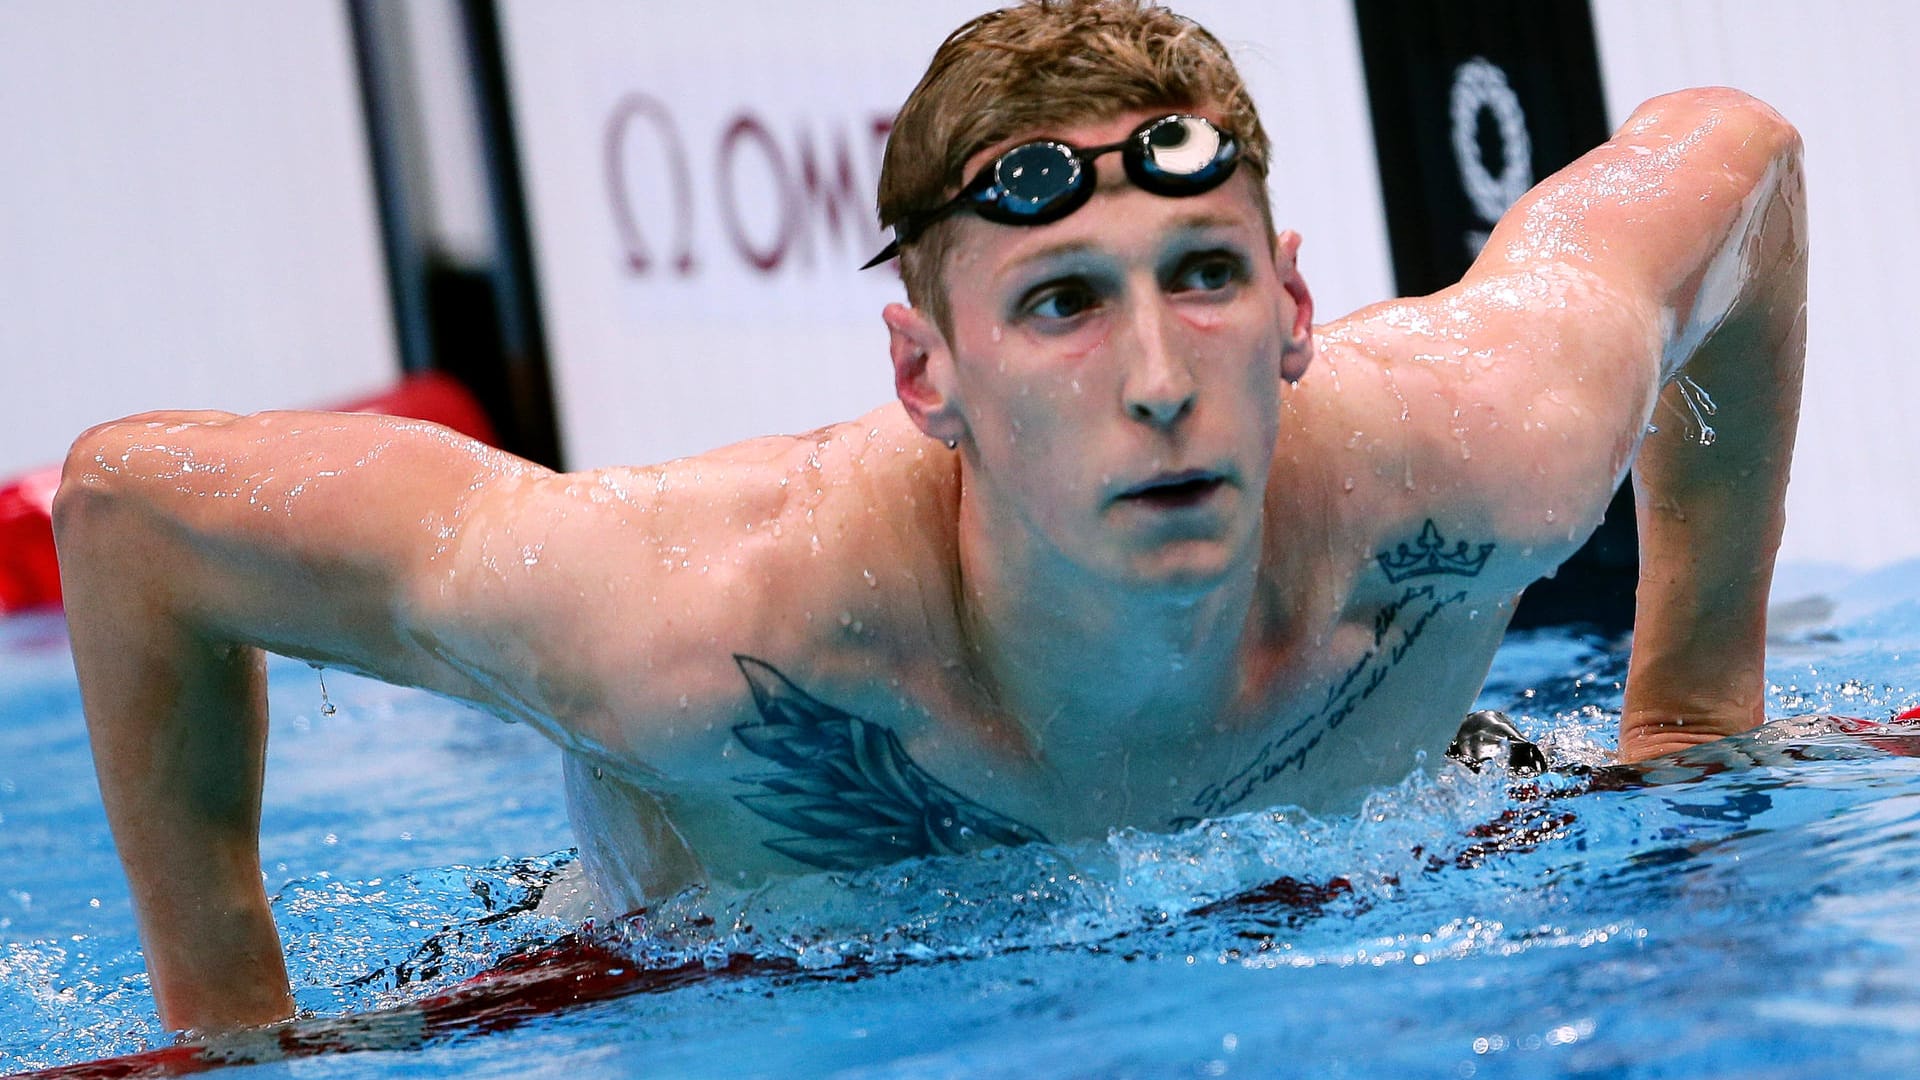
pixel 1751 915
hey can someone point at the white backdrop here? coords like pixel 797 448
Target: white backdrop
pixel 743 166
pixel 186 216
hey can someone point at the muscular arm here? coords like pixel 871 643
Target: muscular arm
pixel 188 542
pixel 1711 509
pixel 1690 224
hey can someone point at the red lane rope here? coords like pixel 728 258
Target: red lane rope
pixel 572 971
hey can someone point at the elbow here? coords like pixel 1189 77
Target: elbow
pixel 90 487
pixel 108 463
pixel 1750 120
pixel 1763 124
pixel 89 478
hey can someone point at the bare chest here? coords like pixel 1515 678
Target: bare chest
pixel 813 779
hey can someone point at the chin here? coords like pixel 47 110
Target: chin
pixel 1187 566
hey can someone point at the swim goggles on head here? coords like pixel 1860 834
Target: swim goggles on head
pixel 1045 180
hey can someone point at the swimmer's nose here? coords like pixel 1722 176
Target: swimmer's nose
pixel 1159 388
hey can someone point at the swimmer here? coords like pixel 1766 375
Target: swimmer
pixel 1137 543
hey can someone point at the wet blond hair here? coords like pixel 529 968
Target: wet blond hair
pixel 1038 66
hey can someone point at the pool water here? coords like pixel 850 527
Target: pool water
pixel 1746 913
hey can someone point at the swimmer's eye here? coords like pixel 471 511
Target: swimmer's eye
pixel 1209 272
pixel 1059 301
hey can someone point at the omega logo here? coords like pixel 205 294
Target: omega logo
pixel 1479 85
pixel 781 198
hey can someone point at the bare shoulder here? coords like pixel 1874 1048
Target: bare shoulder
pixel 629 595
pixel 1654 203
pixel 1464 418
pixel 1510 405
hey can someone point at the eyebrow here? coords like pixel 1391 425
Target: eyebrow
pixel 1058 250
pixel 1197 221
pixel 1205 219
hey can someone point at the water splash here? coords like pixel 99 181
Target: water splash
pixel 1582 904
pixel 360 945
pixel 1701 406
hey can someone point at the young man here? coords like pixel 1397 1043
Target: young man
pixel 1137 545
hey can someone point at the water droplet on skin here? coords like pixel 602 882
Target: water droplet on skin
pixel 997 333
pixel 1701 405
pixel 872 582
pixel 1347 484
pixel 846 618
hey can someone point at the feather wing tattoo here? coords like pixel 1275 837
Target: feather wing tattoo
pixel 848 788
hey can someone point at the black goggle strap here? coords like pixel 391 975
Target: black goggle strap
pixel 888 252
pixel 910 226
pixel 983 190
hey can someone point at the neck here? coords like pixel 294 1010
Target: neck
pixel 1069 652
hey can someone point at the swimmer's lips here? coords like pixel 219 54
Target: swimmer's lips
pixel 1175 491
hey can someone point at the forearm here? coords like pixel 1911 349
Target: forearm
pixel 177 719
pixel 1711 515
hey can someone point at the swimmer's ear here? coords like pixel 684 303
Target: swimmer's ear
pixel 1297 354
pixel 923 372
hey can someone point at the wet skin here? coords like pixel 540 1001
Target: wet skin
pixel 1157 580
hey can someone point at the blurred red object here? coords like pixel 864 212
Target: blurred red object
pixel 29 574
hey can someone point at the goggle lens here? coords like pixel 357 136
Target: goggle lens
pixel 1032 176
pixel 1181 145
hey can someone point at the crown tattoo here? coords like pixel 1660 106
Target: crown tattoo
pixel 1431 557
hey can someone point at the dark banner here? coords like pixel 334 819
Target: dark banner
pixel 1473 103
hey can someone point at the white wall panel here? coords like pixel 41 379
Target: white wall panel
pixel 1843 73
pixel 663 360
pixel 185 215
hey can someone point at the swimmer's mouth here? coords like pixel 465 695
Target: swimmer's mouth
pixel 1175 491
